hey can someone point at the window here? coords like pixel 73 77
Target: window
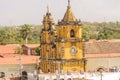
pixel 72 33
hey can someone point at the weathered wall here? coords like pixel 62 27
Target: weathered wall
pixel 94 63
pixel 14 69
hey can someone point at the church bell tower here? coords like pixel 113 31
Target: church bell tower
pixel 69 42
pixel 62 47
pixel 47 40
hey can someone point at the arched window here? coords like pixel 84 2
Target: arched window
pixel 72 33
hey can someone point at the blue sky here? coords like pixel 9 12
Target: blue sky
pixel 18 12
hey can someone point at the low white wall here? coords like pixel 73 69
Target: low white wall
pixel 14 69
pixel 95 63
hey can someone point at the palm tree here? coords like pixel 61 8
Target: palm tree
pixel 25 31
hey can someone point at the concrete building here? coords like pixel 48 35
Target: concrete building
pixel 103 54
pixel 13 64
pixel 29 49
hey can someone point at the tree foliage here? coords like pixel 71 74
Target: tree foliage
pixel 98 31
pixel 37 50
pixel 17 35
pixel 25 32
pixel 19 51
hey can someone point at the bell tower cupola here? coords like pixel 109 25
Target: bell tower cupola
pixel 48 20
pixel 69 17
pixel 69 26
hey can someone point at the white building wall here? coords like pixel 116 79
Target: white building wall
pixel 94 63
pixel 14 69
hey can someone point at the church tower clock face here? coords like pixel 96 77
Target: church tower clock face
pixel 73 50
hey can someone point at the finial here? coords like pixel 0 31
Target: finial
pixel 69 3
pixel 48 9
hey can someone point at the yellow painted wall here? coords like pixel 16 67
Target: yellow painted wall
pixel 67 47
pixel 64 31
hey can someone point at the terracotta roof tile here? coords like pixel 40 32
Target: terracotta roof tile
pixel 31 45
pixel 98 47
pixel 5 49
pixel 102 55
pixel 14 59
pixel 9 57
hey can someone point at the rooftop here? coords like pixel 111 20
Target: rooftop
pixel 31 45
pixel 8 55
pixel 15 59
pixel 102 48
pixel 5 49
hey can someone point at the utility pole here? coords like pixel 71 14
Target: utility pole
pixel 20 67
pixel 37 68
pixel 20 62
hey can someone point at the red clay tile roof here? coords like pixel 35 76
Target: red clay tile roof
pixel 31 45
pixel 102 55
pixel 14 59
pixel 102 46
pixel 5 49
pixel 8 56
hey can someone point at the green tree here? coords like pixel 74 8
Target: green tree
pixel 19 50
pixel 37 50
pixel 85 32
pixel 105 34
pixel 25 32
pixel 2 36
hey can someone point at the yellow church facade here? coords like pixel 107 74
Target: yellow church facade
pixel 62 46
